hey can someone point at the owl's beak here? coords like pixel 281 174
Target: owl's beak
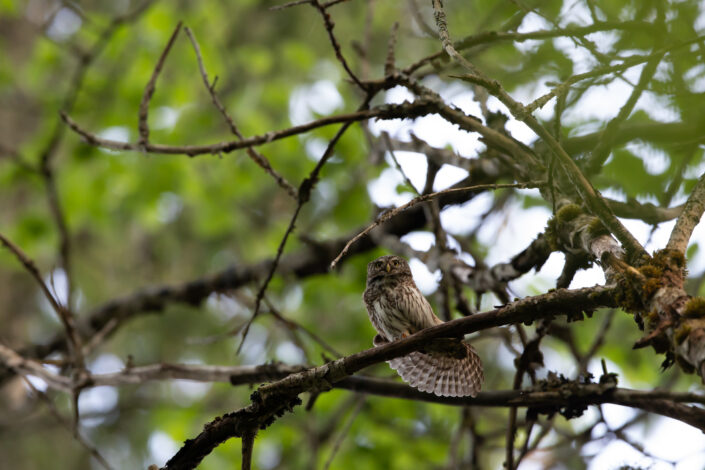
pixel 389 267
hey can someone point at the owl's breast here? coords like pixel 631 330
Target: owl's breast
pixel 386 317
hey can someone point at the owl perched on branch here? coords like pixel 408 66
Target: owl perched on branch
pixel 448 367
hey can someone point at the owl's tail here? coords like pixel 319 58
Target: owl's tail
pixel 440 374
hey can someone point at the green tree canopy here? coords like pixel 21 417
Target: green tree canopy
pixel 191 192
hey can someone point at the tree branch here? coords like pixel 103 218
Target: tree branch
pixel 274 399
pixel 689 218
pixel 257 157
pixel 149 89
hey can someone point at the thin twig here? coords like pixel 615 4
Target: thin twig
pixel 248 444
pixel 389 66
pixel 270 274
pixel 443 34
pixel 298 326
pixel 304 194
pixel 62 311
pixel 390 148
pixel 257 157
pixel 344 432
pixel 627 63
pixel 393 111
pixel 329 25
pixel 289 5
pixel 55 412
pixel 24 366
pixel 488 37
pixel 426 197
pixel 149 89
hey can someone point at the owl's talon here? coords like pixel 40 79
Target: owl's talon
pixel 379 340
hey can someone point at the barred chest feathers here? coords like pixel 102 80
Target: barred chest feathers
pixel 398 309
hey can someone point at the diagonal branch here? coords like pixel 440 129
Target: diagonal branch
pixel 304 194
pixel 149 89
pixel 587 192
pixel 665 403
pixel 257 157
pixel 602 151
pixel 63 312
pixel 689 218
pixel 311 260
pixel 274 399
pixel 423 198
pixel 329 25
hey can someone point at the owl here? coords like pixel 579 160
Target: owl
pixel 449 367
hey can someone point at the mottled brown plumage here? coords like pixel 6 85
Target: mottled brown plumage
pixel 398 309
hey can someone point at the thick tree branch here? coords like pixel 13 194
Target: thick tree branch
pixel 665 403
pixel 312 260
pixel 689 218
pixel 656 401
pixel 274 399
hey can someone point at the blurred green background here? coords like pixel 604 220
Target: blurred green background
pixel 137 220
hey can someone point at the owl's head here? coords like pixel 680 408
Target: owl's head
pixel 387 266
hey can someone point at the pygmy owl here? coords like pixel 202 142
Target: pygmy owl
pixel 398 309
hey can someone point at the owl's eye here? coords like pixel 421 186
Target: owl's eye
pixel 379 264
pixel 395 262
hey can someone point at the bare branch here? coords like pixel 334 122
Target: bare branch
pixel 276 398
pixel 77 435
pixel 149 89
pixel 304 194
pixel 63 312
pixel 329 25
pixel 389 66
pixel 689 218
pixel 426 197
pixel 660 402
pixel 227 147
pixel 29 367
pixel 257 157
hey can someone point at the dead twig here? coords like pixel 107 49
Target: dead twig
pixel 149 89
pixel 426 197
pixel 256 157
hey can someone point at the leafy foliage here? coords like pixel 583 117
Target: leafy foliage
pixel 138 221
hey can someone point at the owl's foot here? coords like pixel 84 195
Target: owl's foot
pixel 379 340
